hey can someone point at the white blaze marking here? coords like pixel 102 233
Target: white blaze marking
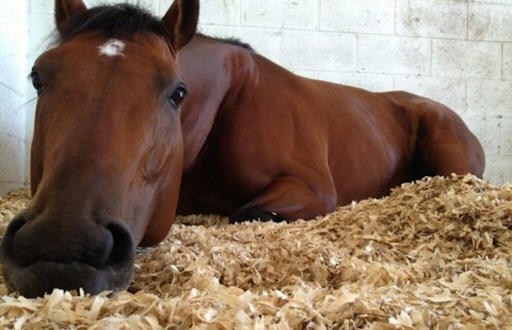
pixel 113 47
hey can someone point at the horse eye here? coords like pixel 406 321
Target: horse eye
pixel 177 96
pixel 36 81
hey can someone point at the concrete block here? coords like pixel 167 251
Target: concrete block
pixel 281 14
pixel 151 5
pixel 479 1
pixel 506 138
pixel 219 12
pixel 507 61
pixel 44 7
pixel 47 7
pixel 498 170
pixel 40 35
pixel 14 72
pixel 14 42
pixel 448 91
pixel 471 59
pixel 437 19
pixel 362 16
pixel 317 51
pixel 395 55
pixel 12 112
pixel 492 22
pixel 488 131
pixel 371 82
pixel 12 159
pixel 490 98
pixel 14 26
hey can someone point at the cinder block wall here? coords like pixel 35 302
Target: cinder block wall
pixel 458 52
pixel 13 87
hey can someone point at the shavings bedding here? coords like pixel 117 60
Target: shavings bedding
pixel 436 254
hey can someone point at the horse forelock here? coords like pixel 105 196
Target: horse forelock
pixel 116 22
pixel 122 21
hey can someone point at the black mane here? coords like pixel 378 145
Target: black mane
pixel 119 21
pixel 122 21
pixel 236 42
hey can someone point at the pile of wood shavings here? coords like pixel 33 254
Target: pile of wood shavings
pixel 435 254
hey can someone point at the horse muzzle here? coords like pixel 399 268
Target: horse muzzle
pixel 44 253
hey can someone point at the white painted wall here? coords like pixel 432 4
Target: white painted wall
pixel 13 88
pixel 458 52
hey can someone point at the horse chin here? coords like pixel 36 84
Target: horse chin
pixel 43 276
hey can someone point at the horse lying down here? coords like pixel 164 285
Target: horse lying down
pixel 119 149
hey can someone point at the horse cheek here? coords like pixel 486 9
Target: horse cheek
pixel 164 168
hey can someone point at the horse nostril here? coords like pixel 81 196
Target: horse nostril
pixel 6 248
pixel 123 249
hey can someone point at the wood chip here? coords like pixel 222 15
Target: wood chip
pixel 435 254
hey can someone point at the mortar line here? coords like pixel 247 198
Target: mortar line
pixel 467 21
pixel 502 61
pixel 431 57
pixel 319 15
pixel 12 89
pixel 20 139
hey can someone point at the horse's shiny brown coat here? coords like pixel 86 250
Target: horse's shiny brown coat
pixel 261 140
pixel 252 141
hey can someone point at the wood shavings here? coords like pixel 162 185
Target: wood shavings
pixel 435 254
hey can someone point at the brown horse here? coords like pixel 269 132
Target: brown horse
pixel 255 141
pixel 107 154
pixel 261 142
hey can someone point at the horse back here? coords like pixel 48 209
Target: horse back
pixel 342 142
pixel 329 134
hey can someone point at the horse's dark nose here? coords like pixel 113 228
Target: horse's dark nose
pixel 60 241
pixel 45 253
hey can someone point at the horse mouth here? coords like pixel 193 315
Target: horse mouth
pixel 40 256
pixel 43 276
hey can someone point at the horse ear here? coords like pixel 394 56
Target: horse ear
pixel 67 9
pixel 181 21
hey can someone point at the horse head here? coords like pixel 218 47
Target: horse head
pixel 107 153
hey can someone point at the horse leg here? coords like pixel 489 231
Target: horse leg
pixel 445 146
pixel 287 198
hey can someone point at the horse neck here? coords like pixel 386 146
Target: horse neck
pixel 214 72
